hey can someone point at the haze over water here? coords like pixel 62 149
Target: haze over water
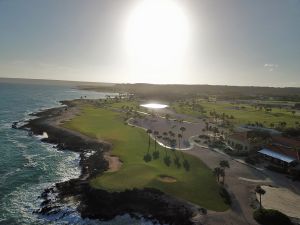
pixel 27 165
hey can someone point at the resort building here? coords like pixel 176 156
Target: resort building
pixel 283 151
pixel 279 155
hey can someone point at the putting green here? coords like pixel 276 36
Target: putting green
pixel 194 180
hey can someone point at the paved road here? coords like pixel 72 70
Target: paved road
pixel 241 190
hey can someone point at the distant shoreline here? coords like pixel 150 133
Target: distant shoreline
pixel 95 203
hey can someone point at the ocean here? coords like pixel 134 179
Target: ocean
pixel 27 165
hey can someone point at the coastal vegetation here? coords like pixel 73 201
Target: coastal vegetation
pixel 192 180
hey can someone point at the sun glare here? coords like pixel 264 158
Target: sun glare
pixel 156 34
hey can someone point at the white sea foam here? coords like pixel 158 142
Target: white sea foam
pixel 44 135
pixel 21 185
pixel 22 201
pixel 6 125
pixel 90 153
pixel 30 161
pixel 21 145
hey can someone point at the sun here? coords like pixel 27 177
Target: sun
pixel 156 34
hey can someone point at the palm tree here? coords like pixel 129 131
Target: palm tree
pixel 179 139
pixel 156 133
pixel 167 139
pixel 261 192
pixel 172 134
pixel 171 140
pixel 224 164
pixel 165 134
pixel 182 130
pixel 206 126
pixel 167 116
pixel 297 149
pixel 149 131
pixel 217 172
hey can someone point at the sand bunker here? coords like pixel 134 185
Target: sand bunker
pixel 113 161
pixel 281 199
pixel 166 179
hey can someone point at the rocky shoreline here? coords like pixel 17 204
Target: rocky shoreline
pixel 96 203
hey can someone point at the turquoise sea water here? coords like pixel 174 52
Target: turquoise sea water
pixel 27 165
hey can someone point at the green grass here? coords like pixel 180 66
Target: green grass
pixel 185 110
pixel 197 185
pixel 243 115
pixel 131 104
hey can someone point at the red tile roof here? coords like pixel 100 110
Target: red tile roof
pixel 290 142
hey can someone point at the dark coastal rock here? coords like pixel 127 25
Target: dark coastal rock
pixel 14 125
pixel 96 203
pixel 149 203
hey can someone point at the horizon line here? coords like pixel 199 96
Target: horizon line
pixel 99 82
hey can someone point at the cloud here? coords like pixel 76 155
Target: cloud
pixel 271 67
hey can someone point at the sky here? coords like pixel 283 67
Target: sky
pixel 232 42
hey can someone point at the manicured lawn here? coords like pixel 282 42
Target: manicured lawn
pixel 186 110
pixel 195 182
pixel 131 104
pixel 245 114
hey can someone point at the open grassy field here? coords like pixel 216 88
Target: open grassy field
pixel 243 113
pixel 126 103
pixel 186 110
pixel 194 182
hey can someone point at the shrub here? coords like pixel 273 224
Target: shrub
pixel 271 216
pixel 235 153
pixel 203 136
pixel 250 160
pixel 277 169
pixel 225 195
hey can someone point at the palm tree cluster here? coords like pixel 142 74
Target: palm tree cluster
pixel 220 171
pixel 155 154
pixel 192 104
pixel 221 116
pixel 167 137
